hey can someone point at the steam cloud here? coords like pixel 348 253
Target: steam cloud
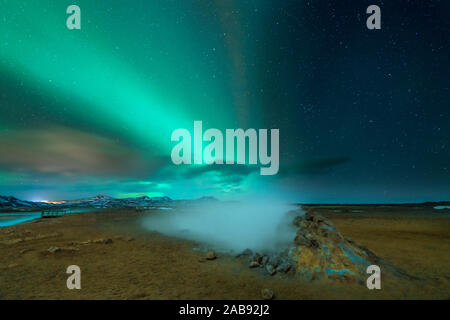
pixel 232 227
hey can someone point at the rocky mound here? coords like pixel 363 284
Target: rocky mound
pixel 319 250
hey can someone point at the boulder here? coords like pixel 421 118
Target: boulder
pixel 245 253
pixel 256 257
pixel 264 260
pixel 284 267
pixel 104 241
pixel 53 249
pixel 270 269
pixel 267 294
pixel 320 250
pixel 211 255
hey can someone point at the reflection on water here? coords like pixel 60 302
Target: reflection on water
pixel 12 218
pixel 442 207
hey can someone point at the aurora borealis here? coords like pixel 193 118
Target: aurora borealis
pixel 363 115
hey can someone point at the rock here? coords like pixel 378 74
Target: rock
pixel 285 267
pixel 141 295
pixel 25 250
pixel 129 238
pixel 256 257
pixel 264 260
pixel 70 249
pixel 53 249
pixel 246 252
pixel 80 243
pixel 14 241
pixel 211 255
pixel 267 294
pixel 276 260
pixel 48 235
pixel 270 269
pixel 320 250
pixel 105 241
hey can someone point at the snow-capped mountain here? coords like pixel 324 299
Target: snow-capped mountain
pixel 99 201
pixel 12 202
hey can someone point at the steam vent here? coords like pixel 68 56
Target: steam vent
pixel 320 251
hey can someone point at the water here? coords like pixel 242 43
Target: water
pixel 12 218
pixel 442 207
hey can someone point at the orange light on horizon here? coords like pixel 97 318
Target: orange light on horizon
pixel 52 202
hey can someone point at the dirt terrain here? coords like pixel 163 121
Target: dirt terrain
pixel 120 260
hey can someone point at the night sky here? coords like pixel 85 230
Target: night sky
pixel 364 115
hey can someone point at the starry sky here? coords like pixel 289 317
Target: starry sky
pixel 364 115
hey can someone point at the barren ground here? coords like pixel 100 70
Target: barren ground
pixel 142 265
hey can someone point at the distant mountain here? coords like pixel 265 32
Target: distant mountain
pixel 98 198
pixel 12 202
pixel 99 201
pixel 207 198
